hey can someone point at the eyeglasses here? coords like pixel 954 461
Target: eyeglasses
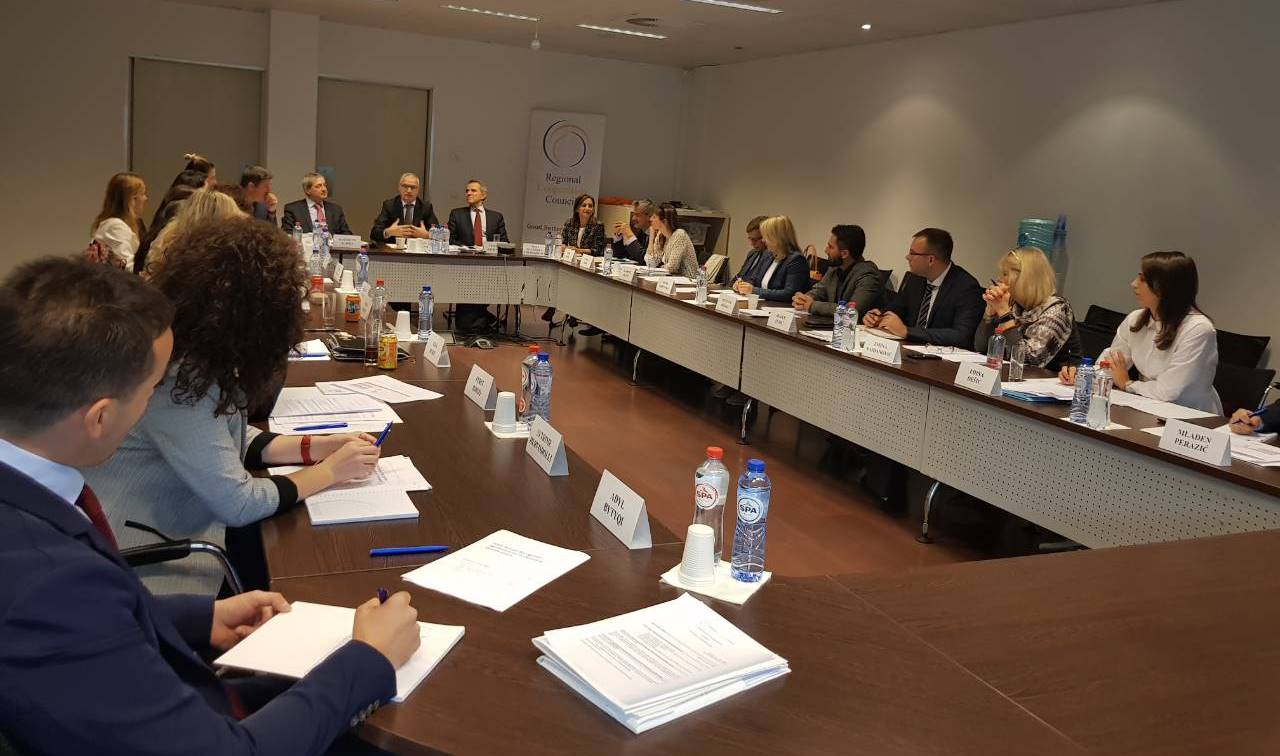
pixel 920 254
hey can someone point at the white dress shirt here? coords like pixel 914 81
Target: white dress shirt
pixel 116 235
pixel 315 217
pixel 768 274
pixel 1183 373
pixel 64 482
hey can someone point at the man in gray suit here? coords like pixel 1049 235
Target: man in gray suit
pixel 849 279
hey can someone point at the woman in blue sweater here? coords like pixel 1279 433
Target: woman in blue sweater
pixel 786 273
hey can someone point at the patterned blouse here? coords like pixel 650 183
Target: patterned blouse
pixel 592 236
pixel 677 256
pixel 1045 330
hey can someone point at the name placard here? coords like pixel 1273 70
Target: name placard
pixel 666 287
pixel 567 255
pixel 480 388
pixel 533 250
pixel 491 248
pixel 887 351
pixel 1192 441
pixel 345 241
pixel 337 274
pixel 435 351
pixel 627 274
pixel 415 246
pixel 729 303
pixel 783 320
pixel 586 262
pixel 621 510
pixel 979 378
pixel 546 446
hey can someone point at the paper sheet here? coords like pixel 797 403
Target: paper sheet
pixel 314 350
pixel 397 472
pixel 725 588
pixel 1156 407
pixel 293 643
pixel 819 335
pixel 498 570
pixel 301 406
pixel 381 387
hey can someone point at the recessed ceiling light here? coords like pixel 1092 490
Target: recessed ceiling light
pixel 499 14
pixel 738 6
pixel 866 27
pixel 627 32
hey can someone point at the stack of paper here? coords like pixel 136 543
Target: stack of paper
pixel 819 335
pixel 381 387
pixel 498 570
pixel 1156 407
pixel 295 642
pixel 301 407
pixel 381 496
pixel 1038 390
pixel 654 665
pixel 314 350
pixel 950 354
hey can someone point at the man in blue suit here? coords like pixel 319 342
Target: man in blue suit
pixel 90 661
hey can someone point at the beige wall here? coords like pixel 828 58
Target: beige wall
pixel 1152 128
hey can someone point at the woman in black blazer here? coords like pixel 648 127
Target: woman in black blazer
pixel 779 279
pixel 581 231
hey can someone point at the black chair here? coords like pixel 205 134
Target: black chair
pixel 885 275
pixel 1101 317
pixel 173 549
pixel 1239 349
pixel 1241 387
pixel 1094 339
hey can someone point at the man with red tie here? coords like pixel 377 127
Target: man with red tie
pixel 470 226
pixel 91 661
pixel 316 208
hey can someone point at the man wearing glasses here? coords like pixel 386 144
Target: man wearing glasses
pixel 938 302
pixel 405 215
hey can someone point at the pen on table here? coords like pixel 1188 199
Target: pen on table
pixel 382 436
pixel 382 595
pixel 400 550
pixel 322 426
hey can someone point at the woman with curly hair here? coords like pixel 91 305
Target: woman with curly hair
pixel 184 468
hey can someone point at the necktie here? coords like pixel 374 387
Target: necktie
pixel 477 232
pixel 922 319
pixel 408 216
pixel 89 504
pixel 320 213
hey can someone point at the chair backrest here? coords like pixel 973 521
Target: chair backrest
pixel 885 275
pixel 1101 317
pixel 1094 339
pixel 1241 387
pixel 1239 349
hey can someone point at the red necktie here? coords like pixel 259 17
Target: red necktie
pixel 89 504
pixel 478 232
pixel 320 213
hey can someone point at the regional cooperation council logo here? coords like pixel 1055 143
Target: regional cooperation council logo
pixel 564 144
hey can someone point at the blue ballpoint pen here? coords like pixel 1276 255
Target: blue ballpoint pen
pixel 322 426
pixel 382 436
pixel 400 550
pixel 382 595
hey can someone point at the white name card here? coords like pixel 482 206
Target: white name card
pixel 979 378
pixel 729 303
pixel 480 388
pixel 491 248
pixel 345 241
pixel 882 350
pixel 666 287
pixel 1194 442
pixel 416 246
pixel 783 320
pixel 337 275
pixel 627 274
pixel 534 250
pixel 567 255
pixel 586 262
pixel 435 351
pixel 621 510
pixel 546 446
pixel 308 244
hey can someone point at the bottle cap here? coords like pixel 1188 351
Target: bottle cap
pixel 544 357
pixel 755 465
pixel 1104 363
pixel 534 349
pixel 715 452
pixel 380 282
pixel 426 288
pixel 1086 361
pixel 840 303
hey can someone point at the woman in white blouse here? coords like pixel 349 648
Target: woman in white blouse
pixel 119 226
pixel 669 245
pixel 1173 345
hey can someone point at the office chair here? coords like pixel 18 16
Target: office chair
pixel 1241 387
pixel 1093 338
pixel 885 283
pixel 173 549
pixel 1239 349
pixel 1103 318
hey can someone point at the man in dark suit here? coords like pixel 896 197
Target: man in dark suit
pixel 316 207
pixel 849 278
pixel 938 302
pixel 631 241
pixel 405 215
pixel 256 183
pixel 465 221
pixel 91 661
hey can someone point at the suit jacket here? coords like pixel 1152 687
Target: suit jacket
pixel 861 285
pixel 1271 419
pixel 297 212
pixel 791 275
pixel 751 269
pixel 592 238
pixel 957 309
pixel 392 211
pixel 635 251
pixel 461 231
pixel 93 663
pixel 261 213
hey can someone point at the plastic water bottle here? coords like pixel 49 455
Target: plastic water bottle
pixel 1099 414
pixel 995 351
pixel 362 268
pixel 700 296
pixel 315 267
pixel 426 308
pixel 1084 388
pixel 297 238
pixel 710 492
pixel 548 243
pixel 444 239
pixel 541 399
pixel 837 326
pixel 754 489
pixel 607 267
pixel 315 237
pixel 324 246
pixel 526 383
pixel 374 323
pixel 849 339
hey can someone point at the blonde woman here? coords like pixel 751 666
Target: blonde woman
pixel 119 226
pixel 202 205
pixel 669 245
pixel 785 272
pixel 1024 306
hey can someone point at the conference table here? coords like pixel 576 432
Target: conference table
pixel 1159 648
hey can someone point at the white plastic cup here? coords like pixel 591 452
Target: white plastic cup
pixel 698 567
pixel 504 414
pixel 402 325
pixel 753 301
pixel 348 280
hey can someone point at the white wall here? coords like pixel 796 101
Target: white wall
pixel 1153 128
pixel 65 69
